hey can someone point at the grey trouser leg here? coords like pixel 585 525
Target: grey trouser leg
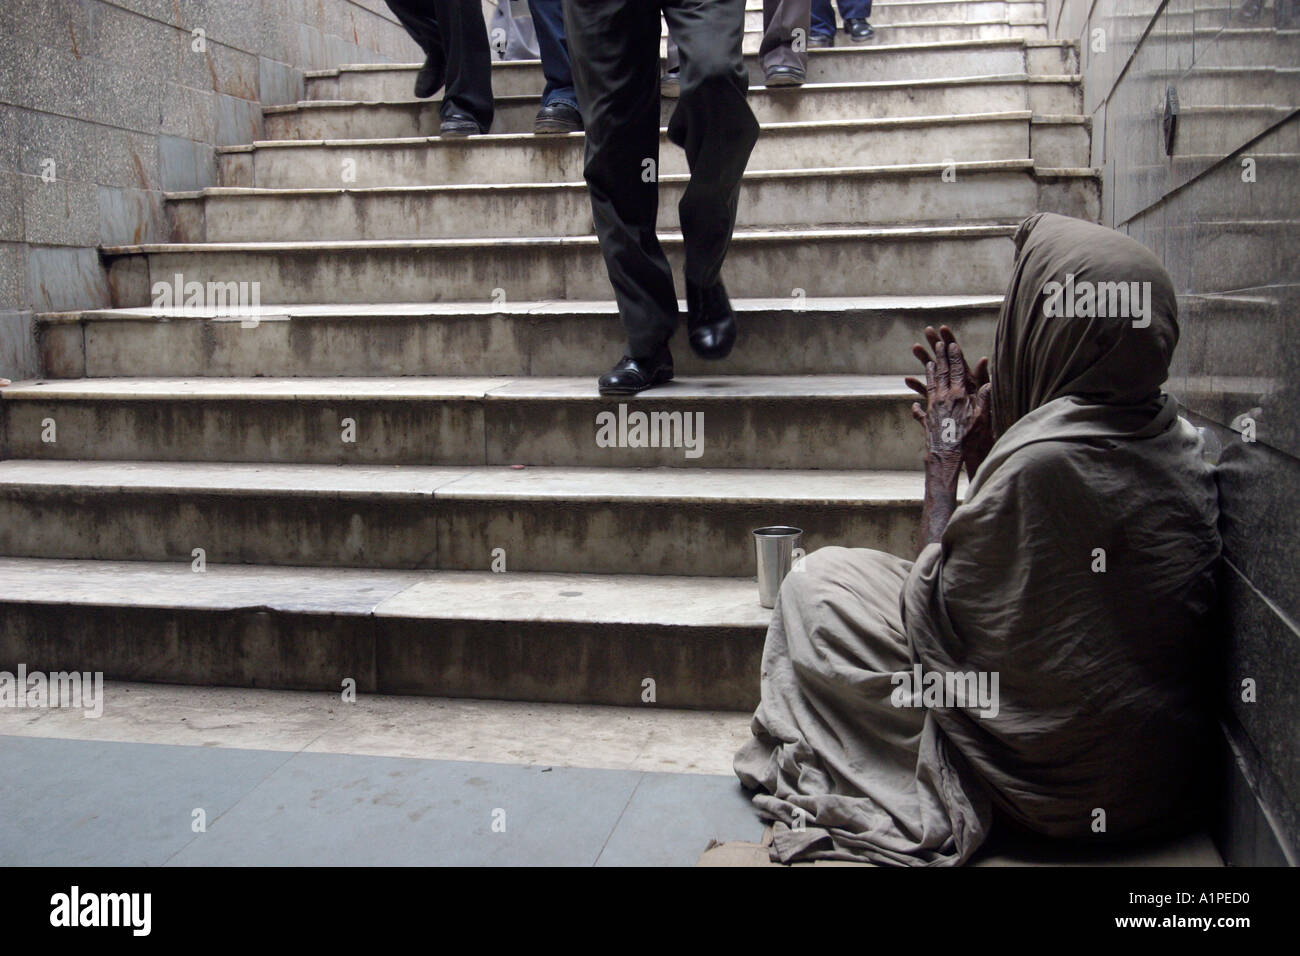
pixel 782 45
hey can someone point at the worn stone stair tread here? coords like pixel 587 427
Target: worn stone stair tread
pixel 982 22
pixel 863 85
pixel 886 387
pixel 551 307
pixel 870 233
pixel 972 167
pixel 859 48
pixel 477 483
pixel 487 139
pixel 514 596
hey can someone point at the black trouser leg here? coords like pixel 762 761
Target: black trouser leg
pixel 417 18
pixel 783 44
pixel 469 59
pixel 614 48
pixel 454 32
pixel 713 124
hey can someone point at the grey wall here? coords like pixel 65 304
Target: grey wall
pixel 113 93
pixel 1232 247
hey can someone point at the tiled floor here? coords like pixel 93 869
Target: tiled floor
pixel 89 803
pixel 305 779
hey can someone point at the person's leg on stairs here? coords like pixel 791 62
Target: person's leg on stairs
pixel 715 126
pixel 417 18
pixel 614 49
pixel 783 51
pixel 467 105
pixel 559 112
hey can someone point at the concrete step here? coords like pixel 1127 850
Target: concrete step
pixel 888 260
pixel 960 8
pixel 817 421
pixel 932 193
pixel 886 12
pixel 945 96
pixel 928 31
pixel 524 158
pixel 593 520
pixel 1060 141
pixel 787 336
pixel 929 11
pixel 848 62
pixel 576 638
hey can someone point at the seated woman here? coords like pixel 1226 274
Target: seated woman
pixel 1072 586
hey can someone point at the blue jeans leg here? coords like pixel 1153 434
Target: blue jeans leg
pixel 548 22
pixel 854 9
pixel 823 19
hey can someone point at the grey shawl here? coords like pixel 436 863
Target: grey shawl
pixel 1078 572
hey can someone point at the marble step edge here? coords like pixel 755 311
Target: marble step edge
pixel 515 596
pixel 862 48
pixel 868 306
pixel 489 139
pixel 865 86
pixel 875 172
pixel 538 486
pixel 898 170
pixel 505 388
pixel 875 234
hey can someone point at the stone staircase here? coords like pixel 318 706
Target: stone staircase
pixel 388 471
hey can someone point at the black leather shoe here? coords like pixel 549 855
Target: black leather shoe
pixel 859 30
pixel 557 118
pixel 820 40
pixel 784 76
pixel 710 322
pixel 670 84
pixel 632 375
pixel 430 78
pixel 460 124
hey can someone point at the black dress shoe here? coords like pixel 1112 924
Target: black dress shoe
pixel 632 375
pixel 460 124
pixel 430 78
pixel 820 40
pixel 557 118
pixel 670 84
pixel 710 322
pixel 859 30
pixel 784 76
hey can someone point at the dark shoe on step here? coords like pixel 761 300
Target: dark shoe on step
pixel 670 84
pixel 430 78
pixel 820 41
pixel 632 375
pixel 784 76
pixel 558 118
pixel 460 124
pixel 710 321
pixel 859 30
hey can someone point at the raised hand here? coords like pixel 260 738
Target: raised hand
pixel 962 425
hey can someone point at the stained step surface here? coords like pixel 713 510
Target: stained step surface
pixel 577 638
pixel 597 520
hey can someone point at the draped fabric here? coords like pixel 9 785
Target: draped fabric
pixel 1071 587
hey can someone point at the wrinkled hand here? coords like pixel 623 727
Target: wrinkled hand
pixel 956 415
